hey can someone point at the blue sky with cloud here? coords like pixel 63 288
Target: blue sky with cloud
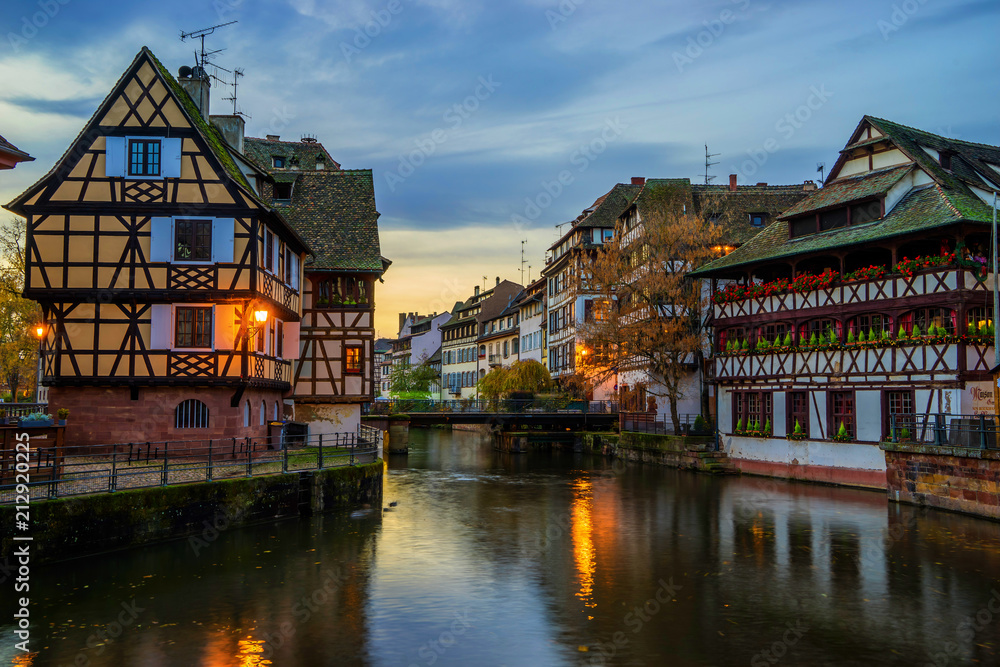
pixel 671 76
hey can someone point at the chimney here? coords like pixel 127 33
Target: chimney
pixel 195 81
pixel 232 129
pixel 402 321
pixel 762 185
pixel 732 182
pixel 809 186
pixel 638 180
pixel 272 137
pixel 477 290
pixel 498 280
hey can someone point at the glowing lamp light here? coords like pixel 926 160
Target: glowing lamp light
pixel 40 331
pixel 260 316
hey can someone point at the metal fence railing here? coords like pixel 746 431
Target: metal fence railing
pixel 504 405
pixel 14 410
pixel 108 468
pixel 972 431
pixel 648 422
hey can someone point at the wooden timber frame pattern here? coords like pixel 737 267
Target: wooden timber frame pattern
pixel 103 262
pixel 322 374
pixel 891 375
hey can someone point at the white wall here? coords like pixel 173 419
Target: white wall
pixel 806 452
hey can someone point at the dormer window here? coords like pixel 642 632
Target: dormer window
pixel 283 191
pixel 320 164
pixel 758 219
pixel 278 161
pixel 945 159
pixel 857 213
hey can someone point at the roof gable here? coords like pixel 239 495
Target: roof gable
pixel 146 98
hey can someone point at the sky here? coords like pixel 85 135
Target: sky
pixel 491 123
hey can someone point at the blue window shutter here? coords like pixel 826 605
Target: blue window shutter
pixel 222 240
pixel 170 158
pixel 114 156
pixel 159 338
pixel 161 239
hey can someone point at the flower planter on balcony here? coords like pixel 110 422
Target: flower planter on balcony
pixel 34 423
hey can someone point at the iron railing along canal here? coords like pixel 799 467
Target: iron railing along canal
pixel 136 465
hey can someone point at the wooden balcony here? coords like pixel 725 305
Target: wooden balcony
pixel 921 358
pixel 861 293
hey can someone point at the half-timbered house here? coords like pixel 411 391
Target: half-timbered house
pixel 868 299
pixel 147 248
pixel 334 210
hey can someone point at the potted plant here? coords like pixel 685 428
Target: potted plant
pixel 35 420
pixel 842 434
pixel 700 427
pixel 797 433
pixel 62 413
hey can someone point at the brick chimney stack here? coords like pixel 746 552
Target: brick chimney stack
pixel 638 180
pixel 732 182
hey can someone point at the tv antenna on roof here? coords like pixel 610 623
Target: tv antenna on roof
pixel 820 166
pixel 202 57
pixel 523 260
pixel 708 163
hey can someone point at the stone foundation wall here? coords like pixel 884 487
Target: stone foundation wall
pixel 102 416
pixel 950 478
pixel 72 527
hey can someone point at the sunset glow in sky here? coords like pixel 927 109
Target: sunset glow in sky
pixel 486 123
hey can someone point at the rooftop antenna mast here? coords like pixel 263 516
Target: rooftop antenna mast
pixel 709 163
pixel 237 73
pixel 523 260
pixel 820 166
pixel 202 57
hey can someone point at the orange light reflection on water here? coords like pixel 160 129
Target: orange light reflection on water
pixel 250 653
pixel 583 541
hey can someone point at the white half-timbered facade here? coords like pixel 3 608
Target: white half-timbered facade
pixel 868 299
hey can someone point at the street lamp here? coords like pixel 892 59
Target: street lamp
pixel 40 331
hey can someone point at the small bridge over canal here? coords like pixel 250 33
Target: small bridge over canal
pixel 504 414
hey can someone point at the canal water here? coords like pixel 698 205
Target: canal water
pixel 548 558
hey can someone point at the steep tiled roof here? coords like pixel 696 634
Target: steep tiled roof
pixel 334 210
pixel 918 211
pixel 299 154
pixel 850 189
pixel 503 295
pixel 947 201
pixel 731 210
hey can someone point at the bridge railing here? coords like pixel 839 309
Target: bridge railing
pixel 649 422
pixel 484 406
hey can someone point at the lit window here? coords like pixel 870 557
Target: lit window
pixel 352 359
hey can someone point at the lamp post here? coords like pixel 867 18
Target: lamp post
pixel 40 331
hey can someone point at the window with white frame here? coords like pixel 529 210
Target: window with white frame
pixel 142 158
